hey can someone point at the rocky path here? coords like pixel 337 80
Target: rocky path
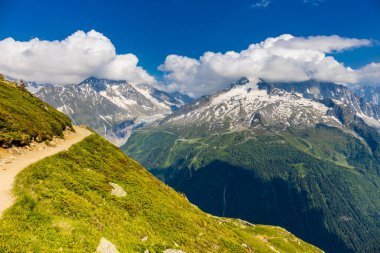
pixel 12 161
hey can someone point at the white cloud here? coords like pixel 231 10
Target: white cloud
pixel 326 44
pixel 283 58
pixel 313 2
pixel 69 61
pixel 261 4
pixel 370 74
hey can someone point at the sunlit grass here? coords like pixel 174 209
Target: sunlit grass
pixel 64 204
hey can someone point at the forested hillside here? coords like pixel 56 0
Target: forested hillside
pixel 320 183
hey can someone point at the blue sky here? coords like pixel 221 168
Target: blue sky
pixel 152 29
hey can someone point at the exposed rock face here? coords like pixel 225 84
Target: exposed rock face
pixel 363 100
pixel 106 246
pixel 245 106
pixel 110 107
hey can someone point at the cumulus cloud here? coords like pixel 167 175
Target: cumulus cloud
pixel 69 61
pixel 284 58
pixel 370 74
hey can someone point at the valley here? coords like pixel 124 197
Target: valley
pixel 67 189
pixel 312 168
pixel 181 126
pixel 310 145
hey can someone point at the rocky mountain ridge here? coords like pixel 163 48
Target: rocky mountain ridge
pixel 113 108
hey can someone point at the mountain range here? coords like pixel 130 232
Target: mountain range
pixel 306 150
pixel 93 198
pixel 304 156
pixel 110 107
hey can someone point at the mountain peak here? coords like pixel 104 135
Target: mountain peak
pixel 100 84
pixel 239 106
pixel 113 108
pixel 242 81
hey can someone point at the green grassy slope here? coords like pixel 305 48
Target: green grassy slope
pixel 24 118
pixel 64 205
pixel 321 184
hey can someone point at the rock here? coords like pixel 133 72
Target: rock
pixel 117 190
pixel 246 223
pixel 144 239
pixel 247 247
pixel 106 246
pixel 146 251
pixel 173 251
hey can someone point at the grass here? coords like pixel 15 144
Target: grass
pixel 24 117
pixel 64 205
pixel 322 147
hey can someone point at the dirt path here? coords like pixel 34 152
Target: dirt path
pixel 15 160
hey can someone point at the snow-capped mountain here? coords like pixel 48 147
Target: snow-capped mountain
pixel 364 101
pixel 34 87
pixel 276 106
pixel 253 148
pixel 369 94
pixel 112 108
pixel 370 99
pixel 244 106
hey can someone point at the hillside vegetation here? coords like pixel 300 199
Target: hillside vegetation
pixel 64 204
pixel 320 183
pixel 24 118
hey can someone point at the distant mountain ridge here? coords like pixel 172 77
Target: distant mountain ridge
pixel 363 100
pixel 113 108
pixel 305 156
pixel 243 105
